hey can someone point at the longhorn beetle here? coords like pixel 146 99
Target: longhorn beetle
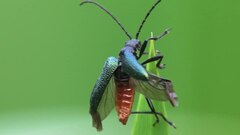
pixel 120 78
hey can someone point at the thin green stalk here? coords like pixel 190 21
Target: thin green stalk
pixel 143 124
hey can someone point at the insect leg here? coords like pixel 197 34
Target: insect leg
pixel 160 114
pixel 142 49
pixel 155 58
pixel 150 104
pixel 167 31
pixel 145 42
pixel 153 111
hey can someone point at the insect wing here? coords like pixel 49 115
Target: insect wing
pixel 107 102
pixel 157 88
pixel 102 99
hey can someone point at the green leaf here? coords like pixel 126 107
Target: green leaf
pixel 143 124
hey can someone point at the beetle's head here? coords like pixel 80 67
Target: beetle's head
pixel 134 43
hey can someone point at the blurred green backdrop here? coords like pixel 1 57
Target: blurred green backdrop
pixel 51 53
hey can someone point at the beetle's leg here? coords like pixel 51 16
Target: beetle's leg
pixel 146 53
pixel 153 111
pixel 150 104
pixel 160 114
pixel 142 49
pixel 145 42
pixel 155 58
pixel 157 52
pixel 167 31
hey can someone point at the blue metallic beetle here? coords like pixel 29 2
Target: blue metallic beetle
pixel 120 78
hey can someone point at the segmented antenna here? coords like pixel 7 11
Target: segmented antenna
pixel 114 18
pixel 145 18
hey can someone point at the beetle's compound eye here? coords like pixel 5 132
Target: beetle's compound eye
pixel 138 46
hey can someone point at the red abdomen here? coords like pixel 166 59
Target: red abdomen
pixel 124 100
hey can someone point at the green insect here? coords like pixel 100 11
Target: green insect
pixel 121 76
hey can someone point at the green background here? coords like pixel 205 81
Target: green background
pixel 51 53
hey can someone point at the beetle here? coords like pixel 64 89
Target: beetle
pixel 120 77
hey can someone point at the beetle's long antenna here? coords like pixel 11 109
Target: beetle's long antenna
pixel 114 18
pixel 145 18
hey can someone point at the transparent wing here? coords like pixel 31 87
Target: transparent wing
pixel 157 88
pixel 103 94
pixel 107 102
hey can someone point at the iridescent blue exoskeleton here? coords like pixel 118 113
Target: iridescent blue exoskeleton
pixel 121 76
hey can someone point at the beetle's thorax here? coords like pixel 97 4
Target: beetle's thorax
pixel 131 46
pixel 134 43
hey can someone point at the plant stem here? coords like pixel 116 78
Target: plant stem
pixel 143 124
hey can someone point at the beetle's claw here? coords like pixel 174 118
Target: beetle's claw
pixel 161 66
pixel 156 122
